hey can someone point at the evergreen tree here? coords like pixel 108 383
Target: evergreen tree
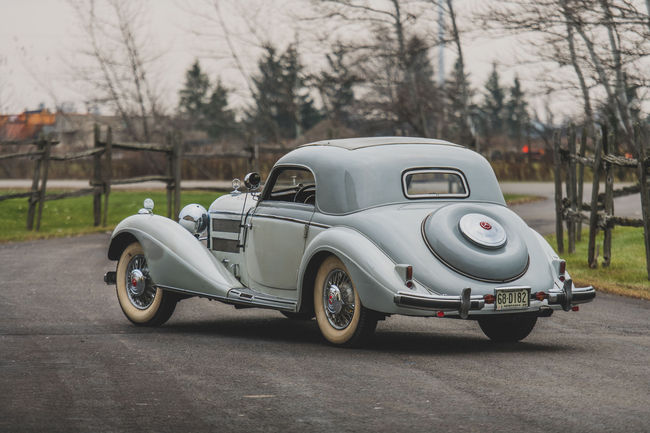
pixel 219 120
pixel 195 93
pixel 336 86
pixel 203 106
pixel 283 108
pixel 516 110
pixel 493 105
pixel 418 102
pixel 456 127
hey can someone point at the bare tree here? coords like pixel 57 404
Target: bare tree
pixel 603 41
pixel 380 33
pixel 120 68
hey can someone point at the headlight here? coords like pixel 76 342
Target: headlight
pixel 194 218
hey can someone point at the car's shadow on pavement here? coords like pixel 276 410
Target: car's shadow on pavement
pixel 283 330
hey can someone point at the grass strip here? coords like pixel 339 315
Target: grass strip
pixel 626 274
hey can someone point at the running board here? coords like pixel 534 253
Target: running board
pixel 244 297
pixel 256 299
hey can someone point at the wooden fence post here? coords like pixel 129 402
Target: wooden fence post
pixel 107 172
pixel 608 148
pixel 45 169
pixel 557 167
pixel 642 172
pixel 33 199
pixel 572 193
pixel 593 217
pixel 581 178
pixel 178 165
pixel 97 180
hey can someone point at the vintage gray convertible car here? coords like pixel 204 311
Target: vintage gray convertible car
pixel 351 231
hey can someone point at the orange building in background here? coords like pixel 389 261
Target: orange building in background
pixel 27 125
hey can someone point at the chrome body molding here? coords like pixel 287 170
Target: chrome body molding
pixel 440 302
pixel 294 220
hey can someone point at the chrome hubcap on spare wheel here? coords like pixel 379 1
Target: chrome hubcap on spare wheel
pixel 338 299
pixel 138 286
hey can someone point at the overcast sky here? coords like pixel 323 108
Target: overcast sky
pixel 41 40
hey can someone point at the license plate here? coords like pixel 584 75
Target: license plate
pixel 511 298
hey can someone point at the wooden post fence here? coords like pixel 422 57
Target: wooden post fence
pixel 593 217
pixel 642 172
pixel 557 162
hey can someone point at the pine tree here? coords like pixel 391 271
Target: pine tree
pixel 336 86
pixel 203 106
pixel 456 128
pixel 516 110
pixel 195 93
pixel 219 120
pixel 418 100
pixel 493 105
pixel 283 108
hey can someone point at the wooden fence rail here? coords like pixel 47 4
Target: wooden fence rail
pixel 100 158
pixel 601 213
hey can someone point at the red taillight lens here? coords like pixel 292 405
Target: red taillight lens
pixel 489 299
pixel 575 308
pixel 409 284
pixel 540 296
pixel 562 267
pixel 562 278
pixel 409 273
pixel 440 314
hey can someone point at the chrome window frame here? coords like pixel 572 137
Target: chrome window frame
pixel 413 171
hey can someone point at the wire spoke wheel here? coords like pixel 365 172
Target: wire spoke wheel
pixel 338 299
pixel 140 291
pixel 341 317
pixel 142 302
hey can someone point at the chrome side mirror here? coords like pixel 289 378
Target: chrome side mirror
pixel 194 218
pixel 252 181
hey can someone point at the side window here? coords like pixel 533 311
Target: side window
pixel 294 185
pixel 433 183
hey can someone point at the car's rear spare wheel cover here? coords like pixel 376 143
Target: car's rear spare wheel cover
pixel 478 242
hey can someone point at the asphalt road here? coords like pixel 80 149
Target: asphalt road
pixel 70 361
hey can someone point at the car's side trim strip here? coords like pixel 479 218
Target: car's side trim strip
pixel 294 220
pixel 241 297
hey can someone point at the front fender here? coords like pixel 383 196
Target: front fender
pixel 372 271
pixel 176 259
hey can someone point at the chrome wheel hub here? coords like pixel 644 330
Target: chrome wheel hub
pixel 140 291
pixel 334 302
pixel 138 282
pixel 338 299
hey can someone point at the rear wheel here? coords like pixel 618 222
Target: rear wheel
pixel 508 328
pixel 141 301
pixel 341 317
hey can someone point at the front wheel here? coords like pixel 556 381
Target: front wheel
pixel 507 328
pixel 341 317
pixel 141 301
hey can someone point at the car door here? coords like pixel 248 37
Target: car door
pixel 278 228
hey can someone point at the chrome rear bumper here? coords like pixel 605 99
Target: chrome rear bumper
pixel 570 295
pixel 463 303
pixel 566 297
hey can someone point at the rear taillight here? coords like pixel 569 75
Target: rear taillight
pixel 540 296
pixel 489 299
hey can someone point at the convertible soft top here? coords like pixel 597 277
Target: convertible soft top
pixel 358 173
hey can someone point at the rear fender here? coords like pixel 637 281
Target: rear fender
pixel 371 270
pixel 176 259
